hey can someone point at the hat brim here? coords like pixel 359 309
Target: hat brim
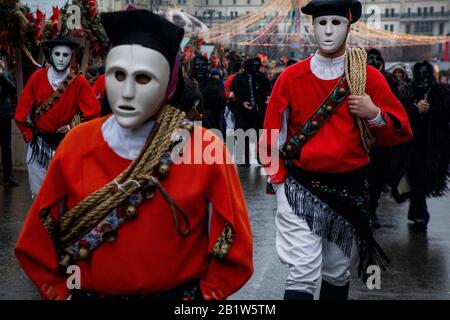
pixel 356 10
pixel 57 42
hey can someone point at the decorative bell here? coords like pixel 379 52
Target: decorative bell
pixel 302 137
pixel 315 124
pixel 109 234
pixel 83 253
pixel 163 169
pixel 342 91
pixel 131 211
pixel 329 108
pixel 189 126
pixel 149 192
pixel 289 147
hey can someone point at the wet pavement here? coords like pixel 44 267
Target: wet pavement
pixel 419 269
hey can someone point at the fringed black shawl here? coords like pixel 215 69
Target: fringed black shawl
pixel 336 207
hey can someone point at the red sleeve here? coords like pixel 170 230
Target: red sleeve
pixel 99 88
pixel 87 101
pixel 397 129
pixel 231 245
pixel 227 85
pixel 24 107
pixel 268 143
pixel 35 249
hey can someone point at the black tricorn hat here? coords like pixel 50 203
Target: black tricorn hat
pixel 144 28
pixel 350 9
pixel 48 45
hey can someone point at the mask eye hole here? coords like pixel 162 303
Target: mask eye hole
pixel 336 22
pixel 57 54
pixel 323 22
pixel 120 76
pixel 143 78
pixel 65 55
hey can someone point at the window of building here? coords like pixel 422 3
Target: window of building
pixel 419 12
pixel 408 29
pixel 442 9
pixel 409 12
pixel 392 12
pixel 249 1
pixel 386 12
pixel 391 28
pixel 424 27
pixel 441 29
pixel 220 14
pixel 425 11
pixel 386 27
pixel 431 10
pixel 262 1
pixel 220 1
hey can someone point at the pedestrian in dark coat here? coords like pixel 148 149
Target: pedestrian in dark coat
pixel 7 109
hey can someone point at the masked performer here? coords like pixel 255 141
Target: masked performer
pixel 328 109
pixel 213 93
pixel 251 90
pixel 385 161
pixel 428 106
pixel 54 100
pixel 114 203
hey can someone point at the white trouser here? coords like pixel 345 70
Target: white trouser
pixel 36 173
pixel 308 255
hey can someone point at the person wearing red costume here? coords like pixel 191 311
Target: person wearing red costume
pixel 54 100
pixel 137 224
pixel 322 221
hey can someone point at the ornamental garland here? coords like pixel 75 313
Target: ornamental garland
pixel 20 28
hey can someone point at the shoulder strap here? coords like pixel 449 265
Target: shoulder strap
pixel 47 105
pixel 292 148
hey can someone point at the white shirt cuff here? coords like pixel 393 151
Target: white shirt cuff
pixel 378 120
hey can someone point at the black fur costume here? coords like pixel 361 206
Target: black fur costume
pixel 428 153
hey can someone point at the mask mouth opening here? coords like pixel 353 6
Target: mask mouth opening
pixel 127 108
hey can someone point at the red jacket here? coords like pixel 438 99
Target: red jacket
pixel 78 97
pixel 337 147
pixel 149 255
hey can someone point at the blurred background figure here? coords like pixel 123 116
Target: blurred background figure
pixel 401 75
pixel 212 90
pixel 251 90
pixel 7 109
pixel 427 166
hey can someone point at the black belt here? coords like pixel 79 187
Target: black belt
pixel 52 139
pixel 188 291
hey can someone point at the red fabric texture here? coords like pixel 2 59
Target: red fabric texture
pixel 78 97
pixel 149 256
pixel 337 147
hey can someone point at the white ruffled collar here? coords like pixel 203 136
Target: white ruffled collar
pixel 56 78
pixel 328 68
pixel 126 143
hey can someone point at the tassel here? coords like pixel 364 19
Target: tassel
pixel 328 224
pixel 321 219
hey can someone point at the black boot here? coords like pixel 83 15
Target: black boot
pixel 297 295
pixel 335 293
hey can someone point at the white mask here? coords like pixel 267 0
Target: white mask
pixel 331 32
pixel 136 80
pixel 61 56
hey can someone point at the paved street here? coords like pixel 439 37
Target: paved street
pixel 420 262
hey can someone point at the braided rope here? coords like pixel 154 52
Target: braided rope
pixel 94 208
pixel 356 75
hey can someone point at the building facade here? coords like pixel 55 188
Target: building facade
pixel 409 16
